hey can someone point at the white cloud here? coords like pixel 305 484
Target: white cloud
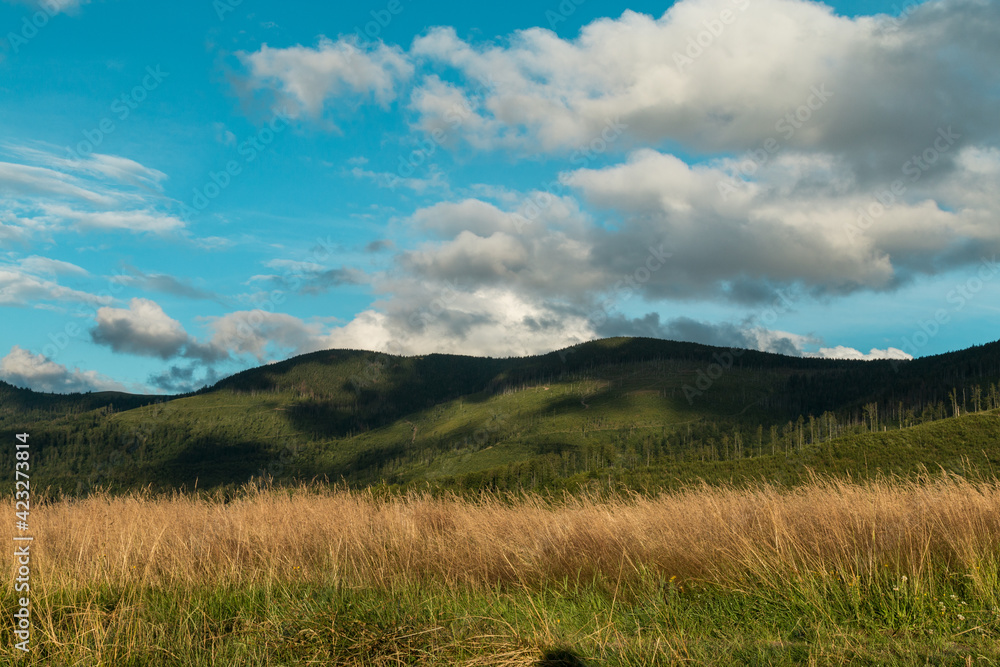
pixel 136 221
pixel 20 180
pixel 19 286
pixel 142 328
pixel 37 265
pixel 488 321
pixel 306 77
pixel 113 167
pixel 795 223
pixel 552 94
pixel 842 352
pixel 120 169
pixel 34 371
pixel 260 333
pixel 95 192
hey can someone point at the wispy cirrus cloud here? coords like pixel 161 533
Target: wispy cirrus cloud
pixel 96 193
pixel 34 282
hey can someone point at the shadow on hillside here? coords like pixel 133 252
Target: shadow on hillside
pixel 366 467
pixel 559 657
pixel 208 463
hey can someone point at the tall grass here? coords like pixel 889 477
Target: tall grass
pixel 720 535
pixel 828 544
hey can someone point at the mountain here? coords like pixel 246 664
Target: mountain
pixel 19 405
pixel 632 411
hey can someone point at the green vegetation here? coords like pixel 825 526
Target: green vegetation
pixel 431 625
pixel 625 413
pixel 880 573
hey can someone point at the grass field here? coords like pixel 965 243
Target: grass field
pixel 832 572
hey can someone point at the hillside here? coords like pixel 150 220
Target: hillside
pixel 19 406
pixel 634 411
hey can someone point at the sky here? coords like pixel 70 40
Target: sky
pixel 191 189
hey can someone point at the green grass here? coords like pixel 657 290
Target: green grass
pixel 657 623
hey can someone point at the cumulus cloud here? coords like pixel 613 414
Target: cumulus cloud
pixel 260 333
pixel 849 119
pixel 487 321
pixel 142 328
pixel 35 371
pixel 481 245
pixel 801 222
pixel 304 78
pixel 555 94
pixel 799 121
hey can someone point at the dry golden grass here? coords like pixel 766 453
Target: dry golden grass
pixel 764 536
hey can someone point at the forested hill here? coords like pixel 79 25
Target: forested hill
pixel 23 405
pixel 369 380
pixel 618 405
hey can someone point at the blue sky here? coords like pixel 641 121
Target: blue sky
pixel 190 190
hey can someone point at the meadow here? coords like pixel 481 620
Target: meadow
pixel 881 571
